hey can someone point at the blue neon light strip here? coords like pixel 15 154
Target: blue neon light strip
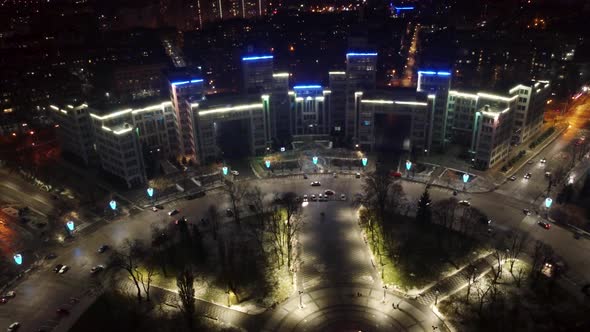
pixel 307 87
pixel 254 58
pixel 404 8
pixel 361 54
pixel 430 72
pixel 196 80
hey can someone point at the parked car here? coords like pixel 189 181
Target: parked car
pixel 305 198
pixel 512 178
pixel 316 184
pixel 543 160
pixel 357 175
pixel 235 173
pixel 229 212
pixel 528 176
pixel 155 209
pixel 342 197
pixel 10 294
pixel 464 203
pixel 103 248
pixel 96 269
pixel 526 212
pixel 329 192
pixel 173 212
pixel 57 268
pixel 547 174
pixel 305 176
pixel 313 197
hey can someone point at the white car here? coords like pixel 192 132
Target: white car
pixel 13 327
pixel 543 160
pixel 63 269
pixel 173 212
pixel 305 198
pixel 96 269
pixel 342 197
pixel 313 197
pixel 316 184
pixel 464 203
pixel 235 173
pixel 10 294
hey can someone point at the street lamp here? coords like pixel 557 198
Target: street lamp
pixel 224 169
pixel 113 204
pixel 384 292
pixel 267 163
pixel 548 202
pixel 365 161
pixel 300 299
pixel 315 160
pixel 18 259
pixel 70 225
pixel 150 192
pixel 436 292
pixel 465 179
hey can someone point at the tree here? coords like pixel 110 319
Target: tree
pixel 146 277
pixel 236 192
pixel 255 200
pixel 516 246
pixel 471 275
pixel 127 258
pixel 424 214
pixel 293 223
pixel 376 193
pixel 186 292
pixel 213 216
pixel 160 242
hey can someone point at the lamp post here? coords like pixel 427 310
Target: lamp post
pixel 314 159
pixel 300 299
pixel 465 179
pixel 408 167
pixel 384 292
pixel 18 259
pixel 365 161
pixel 267 163
pixel 436 292
pixel 70 226
pixel 224 169
pixel 548 202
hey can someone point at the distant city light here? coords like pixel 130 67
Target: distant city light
pixel 431 72
pixel 254 58
pixel 361 54
pixel 307 87
pixel 196 80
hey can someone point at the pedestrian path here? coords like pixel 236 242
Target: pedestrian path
pixel 455 282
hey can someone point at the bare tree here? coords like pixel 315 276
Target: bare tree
pixel 186 292
pixel 127 258
pixel 483 289
pixel 236 192
pixel 516 246
pixel 519 276
pixel 160 242
pixel 471 275
pixel 376 193
pixel 145 278
pixel 276 230
pixel 255 200
pixel 213 216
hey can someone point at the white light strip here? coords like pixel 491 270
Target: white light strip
pixel 112 115
pixel 495 97
pixel 122 131
pixel 231 109
pixel 327 92
pixel 280 75
pixel 54 107
pixel 463 94
pixel 377 101
pixel 516 88
pixel 431 96
pixel 337 73
pixel 415 103
pixel 106 128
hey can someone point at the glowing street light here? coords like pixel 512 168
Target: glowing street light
pixel 465 177
pixel 224 169
pixel 365 161
pixel 282 149
pixel 70 225
pixel 150 192
pixel 18 259
pixel 548 202
pixel 267 163
pixel 315 160
pixel 113 205
pixel 408 165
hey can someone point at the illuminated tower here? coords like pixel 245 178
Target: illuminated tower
pixel 437 83
pixel 360 76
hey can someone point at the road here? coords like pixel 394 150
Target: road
pixel 42 292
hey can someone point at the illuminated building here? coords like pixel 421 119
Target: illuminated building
pixel 309 109
pixel 361 69
pixel 493 133
pixel 437 83
pixel 257 73
pixel 280 117
pixel 183 87
pixel 75 131
pixel 337 114
pixel 530 108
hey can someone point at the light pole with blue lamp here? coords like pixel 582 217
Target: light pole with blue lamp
pixel 408 167
pixel 465 179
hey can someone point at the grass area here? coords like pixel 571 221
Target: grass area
pixel 512 306
pixel 412 256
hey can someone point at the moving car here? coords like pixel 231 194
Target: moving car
pixel 543 160
pixel 103 248
pixel 544 224
pixel 316 184
pixel 155 209
pixel 547 174
pixel 3 300
pixel 305 198
pixel 10 294
pixel 512 178
pixel 235 173
pixel 173 212
pixel 342 197
pixel 64 269
pixel 357 175
pixel 329 192
pixel 13 327
pixel 57 268
pixel 96 269
pixel 526 211
pixel 464 203
pixel 528 176
pixel 323 198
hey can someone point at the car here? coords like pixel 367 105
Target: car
pixel 544 224
pixel 464 203
pixel 335 174
pixel 316 184
pixel 155 209
pixel 305 176
pixel 543 160
pixel 512 178
pixel 305 199
pixel 547 174
pixel 63 311
pixel 357 175
pixel 530 162
pixel 173 212
pixel 527 176
pixel 342 197
pixel 103 248
pixel 160 207
pixel 329 192
pixel 235 173
pixel 526 212
pixel 63 269
pixel 313 197
pixel 396 174
pixel 3 300
pixel 13 327
pixel 96 269
pixel 10 294
pixel 322 198
pixel 50 256
pixel 57 268
pixel 229 212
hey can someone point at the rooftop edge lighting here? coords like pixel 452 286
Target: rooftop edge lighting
pixel 307 87
pixel 230 109
pixel 415 103
pixel 495 97
pixel 360 54
pixel 432 72
pixel 280 75
pixel 379 101
pixel 259 57
pixel 337 73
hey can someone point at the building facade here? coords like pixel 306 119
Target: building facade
pixel 310 106
pixel 75 131
pixel 437 83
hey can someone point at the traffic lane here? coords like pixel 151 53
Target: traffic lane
pixel 27 197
